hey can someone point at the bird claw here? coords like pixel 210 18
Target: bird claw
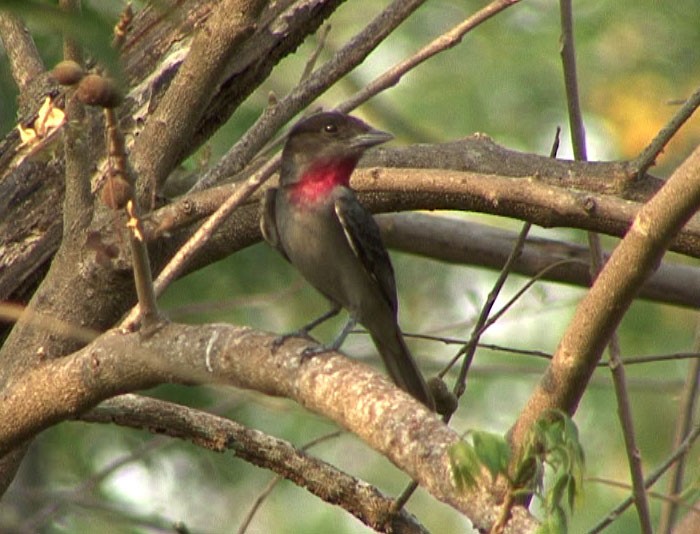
pixel 282 339
pixel 279 341
pixel 310 352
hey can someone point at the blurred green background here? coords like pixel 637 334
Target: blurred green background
pixel 636 60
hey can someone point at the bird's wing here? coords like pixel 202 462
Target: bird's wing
pixel 268 224
pixel 363 236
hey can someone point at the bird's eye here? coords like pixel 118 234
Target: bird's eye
pixel 330 128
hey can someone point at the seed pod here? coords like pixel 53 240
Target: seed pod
pixel 96 90
pixel 116 192
pixel 68 72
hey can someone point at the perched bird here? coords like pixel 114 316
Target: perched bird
pixel 315 221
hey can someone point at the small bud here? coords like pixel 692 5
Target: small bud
pixel 68 72
pixel 272 99
pixel 96 90
pixel 116 192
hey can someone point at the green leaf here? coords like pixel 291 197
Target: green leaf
pixel 466 467
pixel 493 451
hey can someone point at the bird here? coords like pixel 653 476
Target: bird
pixel 314 219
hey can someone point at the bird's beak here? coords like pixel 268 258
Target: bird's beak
pixel 370 139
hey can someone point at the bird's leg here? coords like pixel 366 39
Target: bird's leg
pixel 337 342
pixel 304 330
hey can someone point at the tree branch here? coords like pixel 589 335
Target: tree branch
pixel 468 243
pixel 348 392
pixel 325 481
pixel 601 310
pixel 171 126
pixel 274 117
pixel 25 61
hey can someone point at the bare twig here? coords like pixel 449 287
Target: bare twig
pixel 469 349
pixel 578 135
pixel 320 478
pixel 346 59
pixel 313 58
pixel 122 171
pixel 680 452
pixel 444 42
pixel 568 56
pixel 178 263
pixel 687 406
pixel 648 156
pixel 11 312
pixel 675 499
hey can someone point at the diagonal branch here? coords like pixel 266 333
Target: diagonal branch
pixel 602 309
pixel 212 432
pixel 275 116
pixel 161 143
pixel 25 61
pixel 347 392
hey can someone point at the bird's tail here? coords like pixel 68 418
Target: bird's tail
pixel 401 366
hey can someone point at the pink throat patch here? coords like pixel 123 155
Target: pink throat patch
pixel 317 183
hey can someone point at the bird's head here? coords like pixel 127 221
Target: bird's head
pixel 326 147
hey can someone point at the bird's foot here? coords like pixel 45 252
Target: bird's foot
pixel 304 330
pixel 310 352
pixel 282 339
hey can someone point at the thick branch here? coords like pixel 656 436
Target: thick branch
pixel 25 60
pixel 275 116
pixel 469 243
pixel 155 47
pixel 325 481
pixel 169 129
pixel 346 391
pixel 601 310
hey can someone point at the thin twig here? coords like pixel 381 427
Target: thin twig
pixel 178 263
pixel 578 136
pixel 684 423
pixel 444 42
pixel 12 312
pixel 616 366
pixel 313 58
pixel 278 114
pixel 681 451
pixel 141 263
pixel 484 321
pixel 648 156
pixel 265 493
pixel 568 57
pixel 470 348
pixel 675 499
